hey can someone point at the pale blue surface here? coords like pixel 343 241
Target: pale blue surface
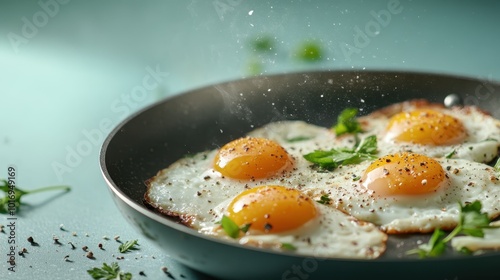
pixel 88 58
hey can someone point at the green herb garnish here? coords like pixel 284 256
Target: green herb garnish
pixel 450 154
pixel 11 202
pixel 297 139
pixel 262 44
pixel 309 51
pixel 324 199
pixel 347 122
pixel 329 160
pixel 231 228
pixel 497 165
pixel 472 222
pixel 109 272
pixel 288 246
pixel 128 246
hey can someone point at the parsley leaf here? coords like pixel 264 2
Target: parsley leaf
pixel 364 150
pixel 497 165
pixel 109 272
pixel 450 154
pixel 12 199
pixel 471 222
pixel 128 246
pixel 435 247
pixel 297 139
pixel 324 199
pixel 309 51
pixel 231 228
pixel 288 246
pixel 347 123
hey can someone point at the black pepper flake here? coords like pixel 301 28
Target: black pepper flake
pixel 141 273
pixel 85 248
pixel 32 241
pixel 165 270
pixel 90 255
pixel 268 227
pixel 73 247
pixel 56 240
pixel 100 246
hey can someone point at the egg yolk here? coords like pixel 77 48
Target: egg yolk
pixel 251 158
pixel 271 209
pixel 427 127
pixel 403 174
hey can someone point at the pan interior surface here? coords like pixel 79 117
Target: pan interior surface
pixel 209 117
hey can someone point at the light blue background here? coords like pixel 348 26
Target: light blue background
pixel 86 59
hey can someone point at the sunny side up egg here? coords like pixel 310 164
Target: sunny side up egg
pixel 410 193
pixel 256 182
pixel 433 130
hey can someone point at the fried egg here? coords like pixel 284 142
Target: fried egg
pixel 278 217
pixel 232 181
pixel 433 130
pixel 409 192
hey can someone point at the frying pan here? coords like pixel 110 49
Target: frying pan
pixel 209 117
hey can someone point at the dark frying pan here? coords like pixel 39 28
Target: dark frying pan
pixel 208 117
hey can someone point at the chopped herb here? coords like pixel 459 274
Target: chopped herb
pixel 309 51
pixel 109 272
pixel 324 199
pixel 128 246
pixel 497 165
pixel 262 44
pixel 14 194
pixel 297 139
pixel 245 227
pixel 231 228
pixel 434 248
pixel 288 246
pixel 347 122
pixel 451 154
pixel 254 67
pixel 472 222
pixel 329 160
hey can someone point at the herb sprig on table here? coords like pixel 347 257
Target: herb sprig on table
pixel 12 200
pixel 109 272
pixel 128 246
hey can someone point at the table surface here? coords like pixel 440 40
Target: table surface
pixel 70 71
